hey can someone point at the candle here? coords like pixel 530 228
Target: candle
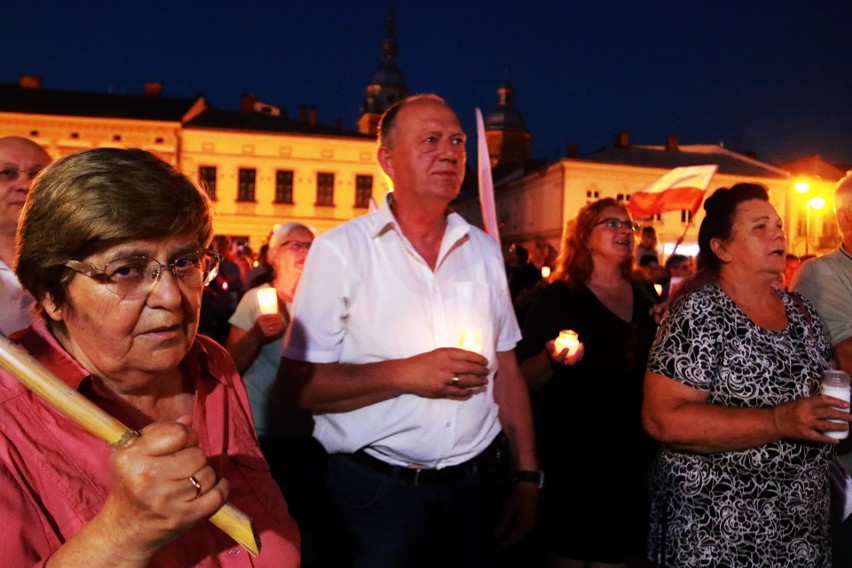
pixel 545 272
pixel 659 289
pixel 267 299
pixel 470 339
pixel 567 340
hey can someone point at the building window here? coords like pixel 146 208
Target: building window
pixel 363 190
pixel 325 189
pixel 284 186
pixel 685 216
pixel 590 195
pixel 245 189
pixel 623 198
pixel 207 180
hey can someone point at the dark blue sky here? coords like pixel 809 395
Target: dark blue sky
pixel 770 76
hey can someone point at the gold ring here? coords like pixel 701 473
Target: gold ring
pixel 196 485
pixel 455 382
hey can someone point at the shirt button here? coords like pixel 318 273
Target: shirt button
pixel 449 424
pixel 234 552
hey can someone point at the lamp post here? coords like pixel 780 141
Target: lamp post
pixel 813 203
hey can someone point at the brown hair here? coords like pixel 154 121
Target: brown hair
pixel 575 264
pixel 92 200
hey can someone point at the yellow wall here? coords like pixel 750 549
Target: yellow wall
pixel 55 133
pixel 305 155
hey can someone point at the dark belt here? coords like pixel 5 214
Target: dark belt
pixel 497 451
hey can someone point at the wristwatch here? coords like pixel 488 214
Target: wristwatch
pixel 525 476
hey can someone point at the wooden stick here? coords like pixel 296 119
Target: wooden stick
pixel 98 422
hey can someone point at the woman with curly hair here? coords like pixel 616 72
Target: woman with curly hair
pixel 587 406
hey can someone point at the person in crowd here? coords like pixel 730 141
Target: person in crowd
pixel 732 392
pixel 677 267
pixel 118 292
pixel 827 282
pixel 222 295
pixel 523 277
pixel 297 461
pixel 418 464
pixel 263 272
pixel 791 267
pixel 594 506
pixel 647 243
pixel 20 161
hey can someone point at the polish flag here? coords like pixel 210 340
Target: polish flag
pixel 678 190
pixel 486 184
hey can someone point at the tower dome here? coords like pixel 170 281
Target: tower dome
pixel 505 116
pixel 505 131
pixel 386 87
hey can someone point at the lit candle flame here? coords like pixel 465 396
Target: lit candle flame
pixel 470 339
pixel 567 339
pixel 267 299
pixel 545 272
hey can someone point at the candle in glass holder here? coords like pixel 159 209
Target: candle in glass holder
pixel 567 339
pixel 470 339
pixel 545 272
pixel 267 299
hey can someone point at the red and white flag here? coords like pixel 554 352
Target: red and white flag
pixel 681 189
pixel 486 184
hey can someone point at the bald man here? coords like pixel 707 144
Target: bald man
pixel 20 161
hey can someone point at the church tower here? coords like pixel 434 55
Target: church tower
pixel 505 132
pixel 386 87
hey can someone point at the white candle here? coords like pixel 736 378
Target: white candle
pixel 835 383
pixel 545 272
pixel 267 299
pixel 567 339
pixel 470 339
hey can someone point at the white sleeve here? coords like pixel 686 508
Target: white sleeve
pixel 317 323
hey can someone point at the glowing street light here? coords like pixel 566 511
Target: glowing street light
pixel 813 203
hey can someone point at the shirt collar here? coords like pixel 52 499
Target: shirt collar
pixel 384 221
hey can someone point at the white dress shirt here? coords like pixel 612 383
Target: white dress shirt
pixel 366 295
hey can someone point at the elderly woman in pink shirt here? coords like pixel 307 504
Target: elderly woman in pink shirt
pixel 113 246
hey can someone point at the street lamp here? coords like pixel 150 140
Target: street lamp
pixel 813 203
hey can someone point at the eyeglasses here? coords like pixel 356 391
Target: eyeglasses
pixel 616 224
pixel 295 246
pixel 135 276
pixel 11 174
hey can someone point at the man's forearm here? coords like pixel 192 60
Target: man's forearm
pixel 336 387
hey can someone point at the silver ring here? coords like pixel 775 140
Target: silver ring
pixel 455 381
pixel 196 485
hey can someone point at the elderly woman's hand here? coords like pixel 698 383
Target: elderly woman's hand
pixel 562 357
pixel 268 327
pixel 153 500
pixel 810 418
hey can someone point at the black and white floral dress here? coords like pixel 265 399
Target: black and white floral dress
pixel 762 507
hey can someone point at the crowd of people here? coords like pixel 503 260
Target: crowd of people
pixel 393 392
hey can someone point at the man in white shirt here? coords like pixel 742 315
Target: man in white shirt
pixel 827 282
pixel 20 161
pixel 418 429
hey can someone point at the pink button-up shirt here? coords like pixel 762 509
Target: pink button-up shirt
pixel 55 477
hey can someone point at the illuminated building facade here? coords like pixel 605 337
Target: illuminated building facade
pixel 260 166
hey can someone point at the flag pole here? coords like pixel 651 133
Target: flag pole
pixel 486 183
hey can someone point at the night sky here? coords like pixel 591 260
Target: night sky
pixel 773 77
